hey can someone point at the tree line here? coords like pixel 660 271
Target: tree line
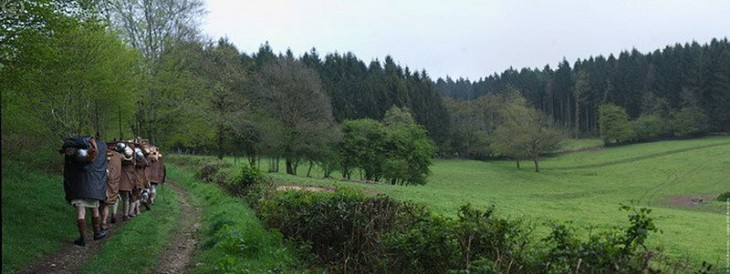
pixel 142 68
pixel 671 78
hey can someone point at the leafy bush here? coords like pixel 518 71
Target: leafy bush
pixel 209 172
pixel 241 180
pixel 619 250
pixel 481 235
pixel 724 196
pixel 349 232
pixel 342 228
pixel 429 246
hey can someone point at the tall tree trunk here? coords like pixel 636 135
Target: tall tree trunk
pixel 537 166
pixel 577 119
pixel 273 165
pixel 220 143
pixel 309 171
pixel 518 163
pixel 289 166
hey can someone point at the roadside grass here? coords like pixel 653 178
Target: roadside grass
pixel 37 222
pixel 138 245
pixel 36 218
pixel 231 238
pixel 585 188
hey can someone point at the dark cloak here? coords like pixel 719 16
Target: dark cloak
pixel 82 180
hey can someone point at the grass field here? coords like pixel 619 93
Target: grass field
pixel 587 188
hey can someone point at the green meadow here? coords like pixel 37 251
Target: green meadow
pixel 587 188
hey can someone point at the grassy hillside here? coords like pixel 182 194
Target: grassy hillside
pixel 587 188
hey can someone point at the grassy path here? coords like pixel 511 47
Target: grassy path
pixel 177 254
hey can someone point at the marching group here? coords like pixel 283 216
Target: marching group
pixel 101 176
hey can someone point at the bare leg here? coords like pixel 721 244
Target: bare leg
pixel 153 193
pixel 115 206
pixel 125 205
pixel 104 216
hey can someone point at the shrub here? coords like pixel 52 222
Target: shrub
pixel 619 250
pixel 342 228
pixel 481 235
pixel 209 170
pixel 724 196
pixel 429 246
pixel 241 180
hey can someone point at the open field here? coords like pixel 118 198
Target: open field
pixel 587 188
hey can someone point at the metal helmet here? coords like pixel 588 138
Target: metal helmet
pixel 128 153
pixel 120 147
pixel 82 154
pixel 138 154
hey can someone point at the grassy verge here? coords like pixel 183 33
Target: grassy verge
pixel 36 218
pixel 232 239
pixel 138 245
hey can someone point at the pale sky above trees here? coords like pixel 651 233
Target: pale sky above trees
pixel 467 38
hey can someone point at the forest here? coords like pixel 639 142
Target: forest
pixel 662 82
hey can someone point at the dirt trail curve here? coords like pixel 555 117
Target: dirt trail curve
pixel 175 258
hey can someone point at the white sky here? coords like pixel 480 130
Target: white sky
pixel 467 38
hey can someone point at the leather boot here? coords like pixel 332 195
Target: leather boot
pixel 81 224
pixel 98 232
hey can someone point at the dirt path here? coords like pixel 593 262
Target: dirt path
pixel 175 258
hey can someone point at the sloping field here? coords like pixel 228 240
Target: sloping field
pixel 587 188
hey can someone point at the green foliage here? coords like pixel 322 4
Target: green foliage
pixel 689 121
pixel 240 181
pixel 482 235
pixel 724 196
pixel 398 151
pixel 427 246
pixel 232 239
pixel 614 124
pixel 28 193
pixel 291 94
pixel 363 146
pixel 619 250
pixel 472 124
pixel 649 127
pixel 340 228
pixel 351 232
pixel 210 172
pixel 641 83
pixel 64 78
pixel 524 133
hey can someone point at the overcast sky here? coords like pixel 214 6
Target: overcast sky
pixel 469 39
